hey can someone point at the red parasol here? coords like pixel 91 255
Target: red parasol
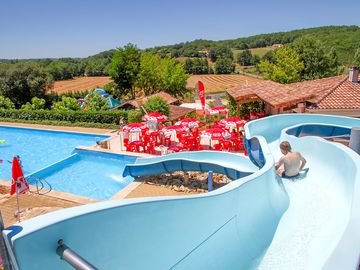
pixel 217 110
pixel 189 122
pixel 215 133
pixel 176 129
pixel 232 122
pixel 154 117
pixel 19 184
pixel 135 127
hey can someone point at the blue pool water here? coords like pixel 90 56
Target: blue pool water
pixel 38 148
pixel 50 155
pixel 87 173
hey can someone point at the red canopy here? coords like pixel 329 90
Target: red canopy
pixel 189 122
pixel 232 122
pixel 215 133
pixel 217 110
pixel 154 117
pixel 176 129
pixel 18 185
pixel 135 127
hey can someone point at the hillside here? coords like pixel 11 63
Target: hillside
pixel 345 39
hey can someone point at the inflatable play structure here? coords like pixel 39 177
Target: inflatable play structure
pixel 258 221
pixel 111 101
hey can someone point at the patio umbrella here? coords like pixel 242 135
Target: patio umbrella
pixel 232 122
pixel 135 127
pixel 217 110
pixel 215 133
pixel 171 130
pixel 154 117
pixel 189 122
pixel 18 185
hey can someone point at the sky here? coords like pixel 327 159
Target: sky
pixel 80 28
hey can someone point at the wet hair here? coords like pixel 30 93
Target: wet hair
pixel 285 145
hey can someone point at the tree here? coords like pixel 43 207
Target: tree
pixel 124 69
pixel 286 68
pixel 318 62
pixel 244 58
pixel 6 103
pixel 67 104
pixel 224 66
pixel 188 66
pixel 220 52
pixel 36 104
pixel 161 74
pixel 356 60
pixel 157 104
pixel 24 82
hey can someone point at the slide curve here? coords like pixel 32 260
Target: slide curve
pixel 256 221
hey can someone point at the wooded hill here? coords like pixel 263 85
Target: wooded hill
pixel 345 40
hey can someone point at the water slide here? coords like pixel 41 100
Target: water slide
pixel 258 221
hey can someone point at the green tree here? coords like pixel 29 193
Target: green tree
pixel 244 58
pixel 173 78
pixel 161 74
pixel 148 78
pixel 95 102
pixel 36 104
pixel 220 52
pixel 23 82
pixel 224 66
pixel 318 61
pixel 6 103
pixel 286 68
pixel 157 104
pixel 124 69
pixel 188 66
pixel 356 60
pixel 67 104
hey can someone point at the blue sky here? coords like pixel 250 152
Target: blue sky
pixel 79 28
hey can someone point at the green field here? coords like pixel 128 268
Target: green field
pixel 256 51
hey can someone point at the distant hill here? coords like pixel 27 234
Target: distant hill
pixel 345 39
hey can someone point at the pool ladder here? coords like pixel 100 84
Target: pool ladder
pixel 40 184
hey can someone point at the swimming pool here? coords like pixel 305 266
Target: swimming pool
pixel 87 173
pixel 38 148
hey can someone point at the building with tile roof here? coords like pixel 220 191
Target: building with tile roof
pixel 338 95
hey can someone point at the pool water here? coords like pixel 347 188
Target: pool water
pixel 90 174
pixel 38 148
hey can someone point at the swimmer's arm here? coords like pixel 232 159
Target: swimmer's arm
pixel 303 162
pixel 278 164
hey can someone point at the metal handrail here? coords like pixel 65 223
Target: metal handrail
pixel 72 258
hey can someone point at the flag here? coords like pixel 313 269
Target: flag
pixel 201 88
pixel 19 184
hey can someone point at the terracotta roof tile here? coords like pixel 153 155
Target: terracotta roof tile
pixel 279 95
pixel 176 112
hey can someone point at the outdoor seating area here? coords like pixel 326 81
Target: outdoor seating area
pixel 153 136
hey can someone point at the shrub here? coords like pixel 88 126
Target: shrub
pixel 134 116
pixel 157 104
pixel 36 104
pixel 104 117
pixel 67 104
pixel 6 103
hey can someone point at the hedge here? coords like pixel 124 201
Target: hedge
pixel 103 117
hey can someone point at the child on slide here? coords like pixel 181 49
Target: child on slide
pixel 291 163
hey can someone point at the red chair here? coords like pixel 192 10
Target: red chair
pixel 227 145
pixel 218 147
pixel 238 145
pixel 150 149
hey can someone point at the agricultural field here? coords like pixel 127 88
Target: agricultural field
pixel 218 83
pixel 257 51
pixel 213 83
pixel 80 84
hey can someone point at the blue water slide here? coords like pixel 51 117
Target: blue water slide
pixel 258 221
pixel 231 165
